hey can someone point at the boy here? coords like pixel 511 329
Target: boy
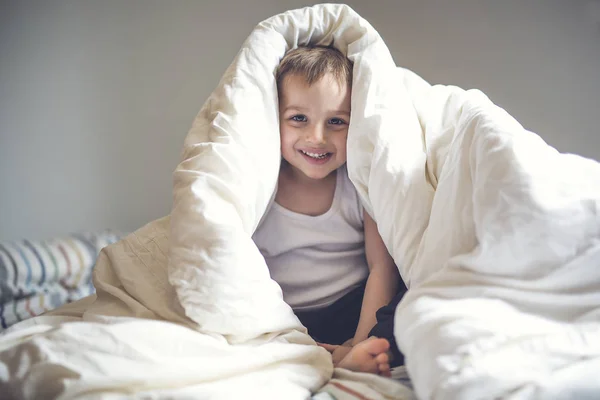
pixel 319 243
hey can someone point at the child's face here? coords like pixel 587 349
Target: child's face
pixel 313 122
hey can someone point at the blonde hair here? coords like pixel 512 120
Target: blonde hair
pixel 313 62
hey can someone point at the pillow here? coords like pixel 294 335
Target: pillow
pixel 37 276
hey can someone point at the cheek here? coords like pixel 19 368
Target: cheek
pixel 287 139
pixel 341 143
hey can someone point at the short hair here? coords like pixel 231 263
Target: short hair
pixel 313 62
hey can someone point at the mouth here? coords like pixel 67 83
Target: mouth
pixel 316 157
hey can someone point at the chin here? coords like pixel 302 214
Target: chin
pixel 318 175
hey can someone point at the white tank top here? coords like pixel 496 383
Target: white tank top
pixel 316 259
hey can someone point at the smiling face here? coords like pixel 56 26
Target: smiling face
pixel 313 122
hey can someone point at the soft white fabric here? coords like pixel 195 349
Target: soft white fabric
pixel 316 260
pixel 496 233
pixel 132 340
pixel 504 298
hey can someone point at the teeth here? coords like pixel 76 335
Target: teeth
pixel 315 155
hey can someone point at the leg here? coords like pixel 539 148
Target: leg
pixel 334 324
pixel 385 327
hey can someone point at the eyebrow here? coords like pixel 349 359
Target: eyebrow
pixel 302 109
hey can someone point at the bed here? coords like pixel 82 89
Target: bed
pixel 495 233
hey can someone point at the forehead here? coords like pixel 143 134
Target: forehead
pixel 295 87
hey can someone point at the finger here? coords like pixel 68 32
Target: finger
pixel 329 347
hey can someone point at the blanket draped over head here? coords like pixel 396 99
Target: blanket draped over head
pixel 496 234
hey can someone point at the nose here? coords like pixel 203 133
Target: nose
pixel 315 134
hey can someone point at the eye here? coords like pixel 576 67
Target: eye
pixel 337 121
pixel 299 118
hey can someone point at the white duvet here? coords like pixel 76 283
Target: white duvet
pixel 496 234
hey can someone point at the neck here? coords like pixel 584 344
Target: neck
pixel 295 176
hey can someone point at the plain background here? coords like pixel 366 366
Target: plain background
pixel 96 96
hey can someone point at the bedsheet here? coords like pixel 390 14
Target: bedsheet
pixel 495 233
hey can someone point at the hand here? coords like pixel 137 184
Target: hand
pixel 329 347
pixel 338 352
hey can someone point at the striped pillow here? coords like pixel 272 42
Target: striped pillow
pixel 39 276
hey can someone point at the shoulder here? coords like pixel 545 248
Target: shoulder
pixel 350 201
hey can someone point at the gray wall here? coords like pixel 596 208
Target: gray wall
pixel 97 96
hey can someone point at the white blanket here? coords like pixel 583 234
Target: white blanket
pixel 496 234
pixel 502 259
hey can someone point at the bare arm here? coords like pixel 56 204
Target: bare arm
pixel 382 283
